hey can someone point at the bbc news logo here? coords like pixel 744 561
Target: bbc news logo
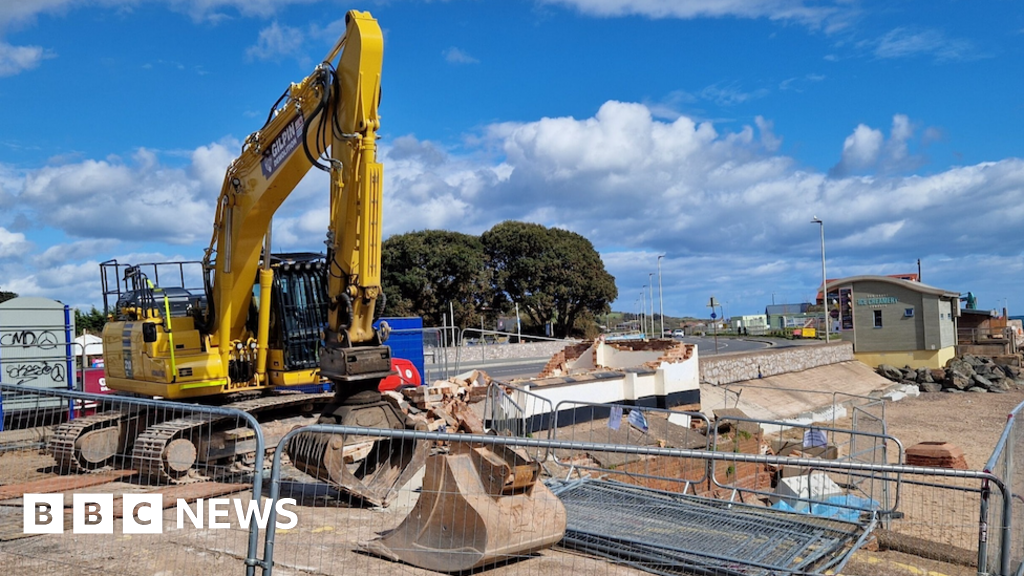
pixel 143 513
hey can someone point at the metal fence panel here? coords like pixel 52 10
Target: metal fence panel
pixel 1006 537
pixel 631 527
pixel 635 527
pixel 133 460
pixel 631 425
pixel 866 490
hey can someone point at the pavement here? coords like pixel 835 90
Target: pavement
pixel 806 395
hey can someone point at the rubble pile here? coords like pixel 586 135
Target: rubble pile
pixel 967 373
pixel 445 405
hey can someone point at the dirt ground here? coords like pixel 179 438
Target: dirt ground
pixel 939 522
pixel 322 542
pixel 971 421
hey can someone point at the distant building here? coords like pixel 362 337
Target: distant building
pixel 752 324
pixel 985 333
pixel 783 316
pixel 894 321
pixel 911 277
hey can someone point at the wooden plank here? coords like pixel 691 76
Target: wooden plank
pixel 62 483
pixel 188 492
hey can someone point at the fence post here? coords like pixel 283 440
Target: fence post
pixel 1007 528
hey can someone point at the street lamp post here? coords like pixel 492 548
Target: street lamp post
pixel 824 288
pixel 643 309
pixel 650 282
pixel 661 297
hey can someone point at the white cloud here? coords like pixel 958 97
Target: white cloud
pixel 725 206
pixel 768 138
pixel 57 254
pixel 275 42
pixel 860 149
pixel 810 13
pixel 17 59
pixel 730 95
pixel 868 149
pixel 19 11
pixel 137 200
pixel 722 204
pixel 455 55
pixel 12 244
pixel 907 42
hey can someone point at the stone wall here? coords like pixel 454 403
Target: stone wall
pixel 719 370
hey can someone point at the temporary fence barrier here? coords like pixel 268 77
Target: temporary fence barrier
pixel 636 526
pixel 631 425
pixel 615 520
pixel 1005 463
pixel 512 411
pixel 117 450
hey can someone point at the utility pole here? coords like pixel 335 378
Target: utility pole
pixel 824 282
pixel 650 282
pixel 643 309
pixel 661 297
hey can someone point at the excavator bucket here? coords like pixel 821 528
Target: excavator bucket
pixel 372 469
pixel 477 507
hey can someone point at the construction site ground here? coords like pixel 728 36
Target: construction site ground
pixel 316 545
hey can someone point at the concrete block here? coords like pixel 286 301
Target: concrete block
pixel 679 419
pixel 815 486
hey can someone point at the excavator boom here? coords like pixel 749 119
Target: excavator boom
pixel 263 320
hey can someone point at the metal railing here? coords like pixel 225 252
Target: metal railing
pixel 125 458
pixel 966 517
pixel 1008 452
pixel 872 489
pixel 631 425
pixel 335 527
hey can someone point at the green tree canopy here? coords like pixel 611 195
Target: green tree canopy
pixel 554 275
pixel 91 322
pixel 5 296
pixel 425 271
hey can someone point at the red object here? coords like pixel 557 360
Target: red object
pixel 95 382
pixel 405 375
pixel 92 382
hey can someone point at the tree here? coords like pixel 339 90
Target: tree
pixel 425 271
pixel 91 322
pixel 5 296
pixel 554 275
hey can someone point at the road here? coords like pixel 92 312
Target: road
pixel 529 367
pixel 706 345
pixel 499 369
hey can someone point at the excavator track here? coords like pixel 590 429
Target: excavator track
pixel 163 452
pixel 66 447
pixel 167 452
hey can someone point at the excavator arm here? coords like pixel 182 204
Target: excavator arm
pixel 333 108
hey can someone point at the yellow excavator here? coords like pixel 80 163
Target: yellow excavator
pixel 259 322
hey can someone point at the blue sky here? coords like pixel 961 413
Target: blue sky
pixel 710 131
